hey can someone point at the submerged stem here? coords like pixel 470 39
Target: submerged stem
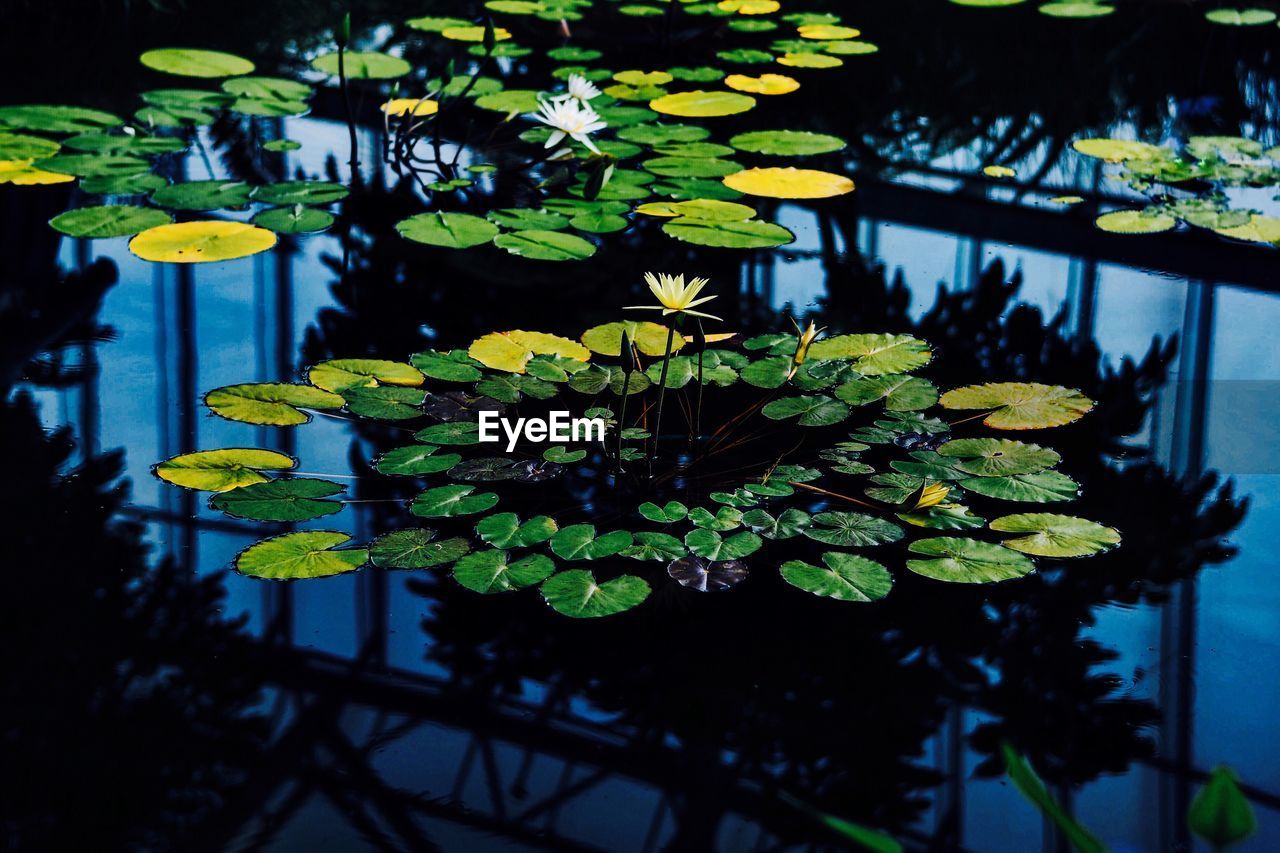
pixel 662 387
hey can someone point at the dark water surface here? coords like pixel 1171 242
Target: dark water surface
pixel 157 701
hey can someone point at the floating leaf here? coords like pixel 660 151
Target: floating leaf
pixel 484 469
pixel 1055 535
pixel 504 530
pixel 812 411
pixel 269 403
pixel 1135 222
pixel 944 517
pixel 700 104
pixel 186 62
pixel 712 546
pixel 306 554
pixel 450 230
pixel 449 501
pixel 900 392
pixel 765 84
pixel 792 522
pixel 294 499
pixel 222 470
pixel 789 143
pixel 22 173
pixel 523 219
pixel 18 146
pixel 1020 405
pixel 994 457
pixel 492 571
pixel 967 561
pixel 1118 150
pixel 1075 10
pixel 471 33
pixel 431 24
pixel 108 220
pixel 809 60
pixel 730 235
pixel 340 374
pixel 415 461
pixel 201 242
pixel 847 577
pixel 579 542
pixel 767 372
pixel 663 134
pixel 1220 813
pixel 725 518
pixel 789 182
pixel 672 512
pixel 417 107
pixel 1259 229
pixel 1044 487
pixel 52 118
pixel 655 546
pixel 386 403
pixel 94 165
pixel 203 195
pixel 293 220
pixel 511 351
pixel 541 245
pixel 453 366
pixel 852 529
pixel 300 192
pixel 416 548
pixel 558 454
pixel 1240 17
pixel 363 65
pixel 575 593
pixel 649 338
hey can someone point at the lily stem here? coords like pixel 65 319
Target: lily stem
pixel 662 388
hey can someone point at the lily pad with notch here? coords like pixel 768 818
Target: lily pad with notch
pixel 845 577
pixel 416 548
pixel 291 499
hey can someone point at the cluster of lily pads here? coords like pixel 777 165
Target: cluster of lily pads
pixel 1189 185
pixel 831 445
pixel 1085 9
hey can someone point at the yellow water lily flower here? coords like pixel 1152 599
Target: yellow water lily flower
pixel 675 296
pixel 807 336
pixel 931 494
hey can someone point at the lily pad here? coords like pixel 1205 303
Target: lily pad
pixel 579 542
pixel 203 195
pixel 1043 487
pixel 201 242
pixel 293 220
pixel 388 403
pixel 789 182
pixel 576 593
pixel 222 470
pixel 416 548
pixel 19 146
pixel 959 560
pixel 810 410
pixel 1135 222
pixel 55 118
pixel 1054 535
pixel 188 62
pixel 108 220
pixel 270 403
pixel 293 499
pixel 449 230
pixel 525 219
pixel 456 433
pixel 542 245
pixel 994 457
pixel 703 575
pixel 671 512
pixel 306 554
pixel 300 192
pixel 786 143
pixel 649 338
pixel 415 461
pixel 944 517
pixel 493 571
pixel 852 529
pixel 791 522
pixel 450 501
pixel 846 577
pixel 504 530
pixel 655 546
pixel 875 354
pixel 725 518
pixel 900 392
pixel 712 546
pixel 363 65
pixel 453 366
pixel 1020 405
pixel 730 235
pixel 341 374
pixel 700 104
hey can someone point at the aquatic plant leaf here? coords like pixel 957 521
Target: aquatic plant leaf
pixel 1020 405
pixel 730 235
pixel 691 167
pixel 122 185
pixel 524 218
pixel 1043 487
pixel 767 372
pixel 764 84
pixel 222 470
pixel 203 195
pixel 493 571
pixel 411 106
pixel 449 230
pixel 511 351
pixel 788 182
pixel 473 33
pixel 663 134
pixel 269 403
pixel 110 220
pixel 483 469
pixel 995 457
pixel 450 501
pixel 267 88
pixel 416 548
pixel 704 575
pixel 292 499
pixel 649 338
pixel 960 560
pixel 875 354
pixel 1259 229
pixel 852 529
pixel 943 517
pixel 415 461
pixel 1135 222
pixel 385 402
pixel 929 465
pixel 774 489
pixel 55 118
pixel 1024 778
pixel 293 220
pixel 1056 535
pixel 1240 17
pixel 850 48
pixel 791 522
pixel 702 209
pixel 1075 10
pixel 579 542
pixel 1119 150
pixel 452 366
pixel 560 455
pixel 809 60
pixel 305 554
pixel 504 530
pixel 300 192
pixel 669 513
pixel 432 24
pixel 542 245
pixel 575 593
pixel 187 62
pixel 19 146
pixel 786 143
pixel 340 374
pixel 712 546
pixel 22 173
pixel 847 577
pixel 1220 813
pixel 655 546
pixel 811 410
pixel 738 498
pixel 900 392
pixel 363 65
pixel 702 104
pixel 200 242
pixel 725 518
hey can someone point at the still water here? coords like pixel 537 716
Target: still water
pixel 160 701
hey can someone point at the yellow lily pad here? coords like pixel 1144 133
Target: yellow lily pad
pixel 789 182
pixel 1259 229
pixel 701 104
pixel 340 374
pixel 511 351
pixel 1118 150
pixel 749 7
pixel 827 32
pixel 474 33
pixel 810 60
pixel 765 84
pixel 222 470
pixel 1020 405
pixel 201 242
pixel 419 106
pixel 1135 222
pixel 998 172
pixel 649 338
pixel 22 173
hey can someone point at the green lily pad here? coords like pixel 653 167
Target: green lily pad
pixel 1020 405
pixel 222 470
pixel 663 134
pixel 753 234
pixel 767 372
pixel 1054 535
pixel 363 65
pixel 575 593
pixel 300 192
pixel 458 432
pixel 293 499
pixel 341 374
pixel 493 571
pixel 562 456
pixel 725 518
pixel 19 146
pixel 852 529
pixel 810 410
pixel 416 460
pixel 961 560
pixel 579 542
pixel 1135 222
pixel 94 165
pixel 203 195
pixel 655 546
pixel 670 513
pixel 791 522
pixel 944 517
pixel 108 220
pixel 1042 487
pixel 270 403
pixel 875 354
pixel 900 392
pixel 55 118
pixel 293 220
pixel 1240 17
pixel 416 548
pixel 504 530
pixel 449 230
pixel 387 402
pixel 123 184
pixel 995 457
pixel 452 366
pixel 710 545
pixel 542 245
pixel 528 219
pixel 786 143
pixel 847 577
pixel 306 554
pixel 450 501
pixel 187 62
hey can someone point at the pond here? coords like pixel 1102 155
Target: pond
pixel 931 347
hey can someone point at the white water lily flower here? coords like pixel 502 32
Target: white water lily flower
pixel 580 89
pixel 674 296
pixel 571 118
